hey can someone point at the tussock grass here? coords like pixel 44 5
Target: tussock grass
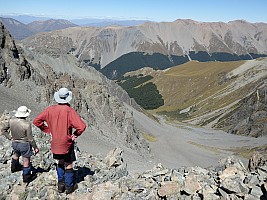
pixel 209 148
pixel 247 152
pixel 149 137
pixel 196 84
pixel 192 82
pixel 150 115
pixel 244 152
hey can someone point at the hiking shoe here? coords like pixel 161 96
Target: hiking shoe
pixel 61 187
pixel 27 178
pixel 16 168
pixel 71 189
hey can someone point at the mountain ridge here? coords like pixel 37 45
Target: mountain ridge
pixel 50 25
pixel 186 38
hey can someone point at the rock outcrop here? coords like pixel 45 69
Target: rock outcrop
pixel 250 114
pixel 14 67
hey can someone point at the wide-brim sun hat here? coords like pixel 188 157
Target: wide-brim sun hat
pixel 22 111
pixel 63 95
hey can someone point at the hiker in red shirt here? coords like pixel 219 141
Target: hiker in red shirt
pixel 60 120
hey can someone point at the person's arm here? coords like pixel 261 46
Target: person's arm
pixel 5 131
pixel 39 122
pixel 77 123
pixel 31 139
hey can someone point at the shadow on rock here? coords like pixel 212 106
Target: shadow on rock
pixel 40 170
pixel 82 172
pixel 263 189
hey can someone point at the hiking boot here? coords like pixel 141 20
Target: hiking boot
pixel 27 178
pixel 16 168
pixel 61 186
pixel 71 189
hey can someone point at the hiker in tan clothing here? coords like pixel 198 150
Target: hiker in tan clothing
pixel 22 142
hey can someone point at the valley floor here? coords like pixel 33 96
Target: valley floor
pixel 176 145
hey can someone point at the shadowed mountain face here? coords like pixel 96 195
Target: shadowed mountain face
pixel 157 45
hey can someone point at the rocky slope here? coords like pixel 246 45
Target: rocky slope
pixel 98 101
pixel 107 177
pixel 176 42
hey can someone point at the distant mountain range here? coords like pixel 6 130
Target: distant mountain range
pixel 26 19
pixel 107 22
pixel 22 26
pixel 17 29
pixel 117 50
pixel 20 31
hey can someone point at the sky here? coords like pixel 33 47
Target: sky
pixel 153 10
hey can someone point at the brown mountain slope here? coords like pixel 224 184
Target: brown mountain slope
pixel 191 83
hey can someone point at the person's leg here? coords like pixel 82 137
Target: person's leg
pixel 15 165
pixel 69 178
pixel 65 172
pixel 26 166
pixel 68 165
pixel 27 173
pixel 60 170
pixel 26 152
pixel 26 162
pixel 15 156
pixel 61 175
pixel 71 185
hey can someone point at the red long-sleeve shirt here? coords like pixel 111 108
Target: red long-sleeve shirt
pixel 60 120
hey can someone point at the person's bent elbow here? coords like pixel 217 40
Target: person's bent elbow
pixel 79 131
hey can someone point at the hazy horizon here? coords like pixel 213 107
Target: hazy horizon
pixel 156 10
